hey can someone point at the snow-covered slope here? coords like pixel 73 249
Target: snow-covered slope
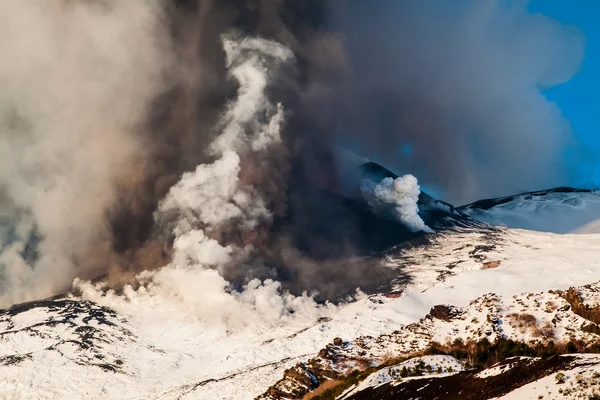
pixel 560 210
pixel 541 324
pixel 114 346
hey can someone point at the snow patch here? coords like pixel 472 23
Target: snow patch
pixel 556 212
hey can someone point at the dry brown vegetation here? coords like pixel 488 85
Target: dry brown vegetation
pixel 523 321
pixel 330 384
pixel 527 322
pixel 551 307
pixel 491 265
pixel 545 331
pixel 476 355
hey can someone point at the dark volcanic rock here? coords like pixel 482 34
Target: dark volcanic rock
pixel 466 385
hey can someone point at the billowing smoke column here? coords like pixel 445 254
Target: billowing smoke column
pixel 215 197
pixel 194 135
pixel 401 196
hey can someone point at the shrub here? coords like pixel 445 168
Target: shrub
pixel 351 379
pixel 523 321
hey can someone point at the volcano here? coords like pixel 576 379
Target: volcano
pixel 558 210
pixel 180 219
pixel 437 214
pixel 473 285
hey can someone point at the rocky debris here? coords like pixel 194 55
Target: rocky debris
pixel 74 328
pixel 16 359
pixel 393 295
pixel 491 265
pixel 444 255
pixel 444 313
pixel 578 305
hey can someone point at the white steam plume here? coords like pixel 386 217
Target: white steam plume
pixel 399 195
pixel 76 79
pixel 212 196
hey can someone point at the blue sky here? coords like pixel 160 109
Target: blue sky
pixel 579 99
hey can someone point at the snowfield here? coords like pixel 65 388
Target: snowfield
pixel 529 262
pixel 104 346
pixel 561 210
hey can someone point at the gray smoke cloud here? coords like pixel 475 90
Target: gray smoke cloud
pixel 459 83
pixel 111 109
pixel 76 80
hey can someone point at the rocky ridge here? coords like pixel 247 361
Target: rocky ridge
pixel 551 323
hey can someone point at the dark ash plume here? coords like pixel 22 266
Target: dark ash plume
pixel 458 86
pixel 110 105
